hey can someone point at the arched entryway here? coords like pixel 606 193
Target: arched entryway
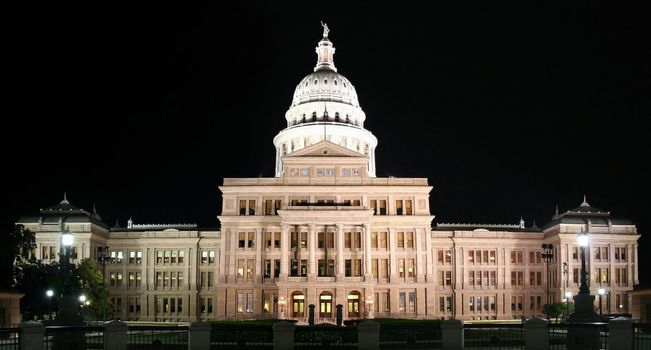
pixel 325 305
pixel 298 305
pixel 354 310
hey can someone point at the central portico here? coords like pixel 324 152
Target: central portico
pixel 331 235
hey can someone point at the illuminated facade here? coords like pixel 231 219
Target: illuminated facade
pixel 325 231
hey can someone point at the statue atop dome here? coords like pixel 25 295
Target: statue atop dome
pixel 326 30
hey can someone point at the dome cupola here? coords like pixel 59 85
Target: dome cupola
pixel 325 107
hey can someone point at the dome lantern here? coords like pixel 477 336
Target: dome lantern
pixel 325 51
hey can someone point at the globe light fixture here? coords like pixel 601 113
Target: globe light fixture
pixel 49 293
pixel 82 298
pixel 582 241
pixel 67 239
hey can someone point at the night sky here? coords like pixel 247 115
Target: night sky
pixel 508 111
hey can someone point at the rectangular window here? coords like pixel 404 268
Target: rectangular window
pixel 240 303
pixel 401 268
pixel 268 242
pixel 374 268
pixel 383 240
pixel 410 268
pixel 401 239
pixel 471 256
pixel 303 240
pixel 249 302
pixel 251 240
pixel 330 239
pixel 401 302
pixel 373 240
pixel 398 207
pixel 250 268
pixel 276 268
pixel 357 238
pixel 408 207
pixel 348 269
pixel 240 268
pixel 410 240
pixel 347 238
pixel 241 240
pixel 277 240
pixel 321 240
pixel 384 268
pixel 267 268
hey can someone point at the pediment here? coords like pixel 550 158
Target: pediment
pixel 325 149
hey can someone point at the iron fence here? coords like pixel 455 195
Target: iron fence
pixel 73 337
pixel 494 336
pixel 325 337
pixel 557 336
pixel 157 337
pixel 411 335
pixel 641 336
pixel 240 337
pixel 9 338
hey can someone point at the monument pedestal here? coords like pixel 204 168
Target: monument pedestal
pixel 582 333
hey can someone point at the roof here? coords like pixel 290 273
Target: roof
pixel 489 227
pixel 584 213
pixel 63 212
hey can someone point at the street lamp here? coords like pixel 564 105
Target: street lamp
pixel 548 256
pixel 67 240
pixel 49 293
pixel 282 303
pixel 582 240
pixel 102 256
pixel 601 292
pixel 82 299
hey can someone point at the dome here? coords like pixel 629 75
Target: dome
pixel 325 85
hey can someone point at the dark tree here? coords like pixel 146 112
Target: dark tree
pixel 15 251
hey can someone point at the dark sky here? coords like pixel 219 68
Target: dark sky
pixel 144 109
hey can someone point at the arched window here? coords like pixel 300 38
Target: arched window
pixel 353 304
pixel 335 83
pixel 325 81
pixel 304 119
pixel 315 81
pixel 325 305
pixel 337 116
pixel 313 116
pixel 347 119
pixel 298 305
pixel 307 83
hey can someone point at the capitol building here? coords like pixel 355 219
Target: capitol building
pixel 326 231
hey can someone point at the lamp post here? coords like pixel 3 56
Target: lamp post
pixel 103 255
pixel 281 303
pixel 49 293
pixel 568 295
pixel 66 241
pixel 601 293
pixel 548 256
pixel 582 240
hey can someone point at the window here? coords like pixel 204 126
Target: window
pixel 240 303
pixel 444 256
pixel 400 239
pixel 135 257
pixel 379 205
pixel 445 304
pixel 304 240
pixel 247 207
pixel 516 257
pixel 410 268
pixel 601 275
pixel 401 268
pixel 620 254
pixel 445 278
pixel 240 267
pixel 517 278
pixel 621 276
pixel 383 240
pixel 271 206
pixel 347 237
pixel 135 279
pixel 516 303
pixel 242 240
pixel 326 268
pixel 116 279
pixel 206 305
pixel 410 239
pixel 134 305
pixel 208 257
pixel 373 240
pixel 601 253
pixel 116 257
pixel 575 276
pixel 330 239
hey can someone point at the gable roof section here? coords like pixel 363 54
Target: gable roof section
pixel 324 149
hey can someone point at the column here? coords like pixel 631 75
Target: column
pixel 232 276
pixel 311 241
pixel 392 255
pixel 429 256
pixel 258 255
pixel 636 266
pixel 340 251
pixel 368 272
pixel 284 248
pixel 420 266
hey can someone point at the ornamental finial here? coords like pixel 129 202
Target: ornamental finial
pixel 65 199
pixel 326 30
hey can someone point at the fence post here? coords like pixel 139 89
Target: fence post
pixel 452 334
pixel 368 335
pixel 31 335
pixel 199 335
pixel 621 333
pixel 536 333
pixel 283 335
pixel 115 335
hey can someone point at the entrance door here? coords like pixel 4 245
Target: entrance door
pixel 353 305
pixel 325 305
pixel 298 305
